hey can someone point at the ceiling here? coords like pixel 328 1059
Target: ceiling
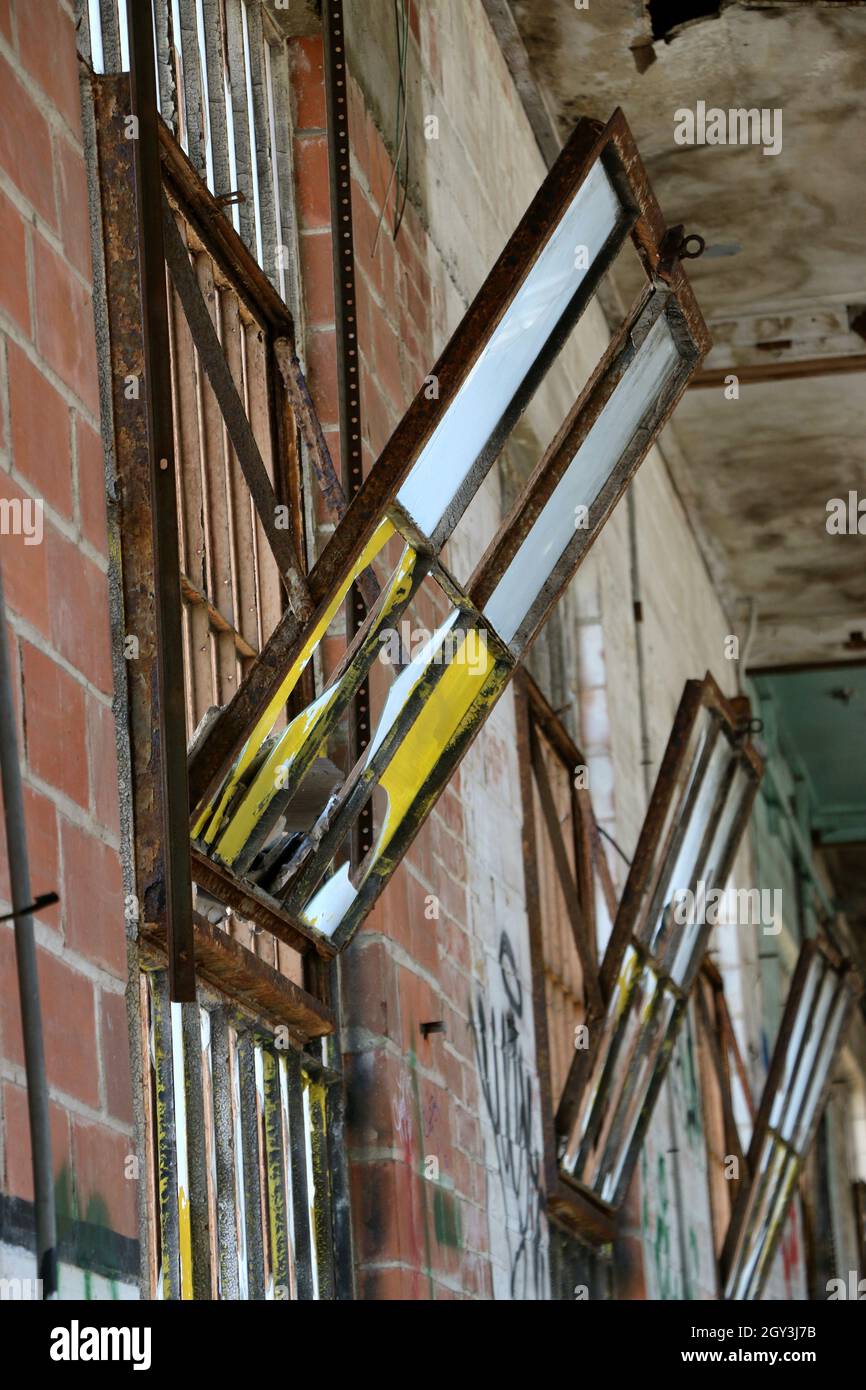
pixel 782 283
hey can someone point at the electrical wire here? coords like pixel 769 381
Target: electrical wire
pixel 402 97
pixel 401 126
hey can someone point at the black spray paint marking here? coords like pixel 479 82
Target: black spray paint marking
pixel 507 1088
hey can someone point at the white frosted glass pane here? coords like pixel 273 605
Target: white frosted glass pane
pixel 709 869
pixel 582 481
pixel 681 874
pixel 819 1073
pixel 802 1017
pixel 817 1027
pixel 327 908
pixel 504 362
pixel 123 30
pixel 97 55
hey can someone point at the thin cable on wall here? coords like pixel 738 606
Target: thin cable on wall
pixel 401 25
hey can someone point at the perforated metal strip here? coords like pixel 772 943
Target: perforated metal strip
pixel 348 361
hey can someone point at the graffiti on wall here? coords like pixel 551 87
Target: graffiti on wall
pixel 507 1086
pixel 677 1228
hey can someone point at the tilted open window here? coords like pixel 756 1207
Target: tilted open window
pixel 568 884
pixel 245 771
pixel 822 992
pixel 697 814
pixel 604 1039
pixel 269 750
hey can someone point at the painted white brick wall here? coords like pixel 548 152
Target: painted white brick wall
pixel 473 184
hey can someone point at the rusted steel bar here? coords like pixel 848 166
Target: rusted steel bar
pixel 734 1048
pixel 585 878
pixel 220 238
pixel 157 404
pixel 253 904
pixel 794 369
pixel 240 432
pixel 599 857
pixel 348 359
pixel 566 880
pixel 227 964
pixel 711 1037
pixel 194 596
pixel 547 721
pixel 313 436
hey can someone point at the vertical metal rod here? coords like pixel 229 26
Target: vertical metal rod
pixel 157 403
pixel 28 978
pixel 348 360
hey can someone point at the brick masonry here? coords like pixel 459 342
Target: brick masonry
pixel 58 634
pixel 444 1173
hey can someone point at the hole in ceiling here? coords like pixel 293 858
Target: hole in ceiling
pixel 670 14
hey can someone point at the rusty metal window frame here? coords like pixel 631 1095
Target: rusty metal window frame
pixel 822 993
pixel 721 1068
pixel 377 512
pixel 243 1196
pixel 580 872
pixel 700 806
pixel 148 187
pixel 166 186
pixel 223 91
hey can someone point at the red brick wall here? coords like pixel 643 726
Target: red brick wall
pixel 58 633
pixel 410 1100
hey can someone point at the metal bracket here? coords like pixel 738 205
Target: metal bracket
pixel 675 247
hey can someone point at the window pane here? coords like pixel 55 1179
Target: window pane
pixel 511 351
pixel 587 473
